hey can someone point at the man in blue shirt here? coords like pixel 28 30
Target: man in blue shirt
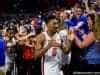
pixel 79 26
pixel 2 54
pixel 79 21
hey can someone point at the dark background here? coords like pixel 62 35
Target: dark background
pixel 18 6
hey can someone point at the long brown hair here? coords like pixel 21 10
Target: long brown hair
pixel 92 17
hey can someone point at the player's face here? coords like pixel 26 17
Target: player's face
pixel 53 25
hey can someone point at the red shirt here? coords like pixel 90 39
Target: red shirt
pixel 28 53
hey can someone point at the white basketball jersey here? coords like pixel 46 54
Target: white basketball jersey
pixel 51 62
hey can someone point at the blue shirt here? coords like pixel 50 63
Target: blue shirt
pixel 2 51
pixel 90 53
pixel 84 28
pixel 68 23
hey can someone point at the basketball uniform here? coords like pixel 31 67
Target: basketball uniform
pixel 51 61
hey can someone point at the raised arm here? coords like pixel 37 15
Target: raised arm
pixel 87 40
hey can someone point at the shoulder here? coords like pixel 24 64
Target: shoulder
pixel 63 32
pixel 83 18
pixel 40 37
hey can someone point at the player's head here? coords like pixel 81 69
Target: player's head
pixel 52 23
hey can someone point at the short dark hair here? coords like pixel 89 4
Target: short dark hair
pixel 50 17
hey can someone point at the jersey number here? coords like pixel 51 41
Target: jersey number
pixel 54 51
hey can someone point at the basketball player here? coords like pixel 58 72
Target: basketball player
pixel 50 47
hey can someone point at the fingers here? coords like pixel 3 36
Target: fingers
pixel 53 43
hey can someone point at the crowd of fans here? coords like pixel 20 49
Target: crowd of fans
pixel 19 33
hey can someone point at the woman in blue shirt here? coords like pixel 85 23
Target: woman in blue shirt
pixel 91 54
